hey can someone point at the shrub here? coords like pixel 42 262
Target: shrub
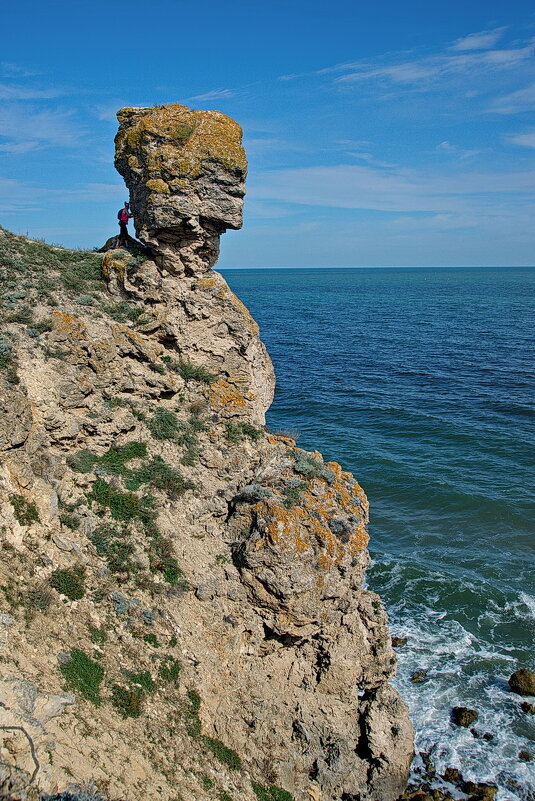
pixel 98 635
pixel 128 701
pixel 25 511
pixel 271 793
pixel 114 545
pixel 162 560
pixel 310 467
pixel 169 669
pixel 221 752
pixel 122 505
pixel 144 680
pixel 163 424
pixel 152 640
pixel 293 491
pixel 69 520
pixel 252 493
pixel 235 432
pixel 82 461
pixel 69 582
pixel 83 675
pixel 39 597
pixel 192 372
pixel 161 476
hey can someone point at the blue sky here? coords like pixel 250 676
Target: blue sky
pixel 386 134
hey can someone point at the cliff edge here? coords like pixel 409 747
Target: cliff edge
pixel 182 612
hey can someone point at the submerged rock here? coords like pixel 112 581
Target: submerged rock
pixel 522 682
pixel 462 716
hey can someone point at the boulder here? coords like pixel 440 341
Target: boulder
pixel 462 716
pixel 522 682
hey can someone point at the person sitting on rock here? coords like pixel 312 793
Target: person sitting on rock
pixel 123 215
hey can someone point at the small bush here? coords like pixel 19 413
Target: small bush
pixel 235 432
pixel 271 793
pixel 161 476
pixel 144 680
pixel 293 491
pixel 162 560
pixel 40 597
pixel 253 493
pixel 122 505
pixel 152 640
pixel 82 461
pixel 69 520
pixel 115 546
pixel 169 669
pixel 98 635
pixel 163 424
pixel 69 582
pixel 128 701
pixel 310 467
pixel 83 675
pixel 192 372
pixel 25 511
pixel 224 754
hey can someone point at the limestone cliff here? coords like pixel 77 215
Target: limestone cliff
pixel 182 612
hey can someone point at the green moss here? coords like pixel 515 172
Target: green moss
pixel 169 670
pixel 69 582
pixel 271 793
pixel 83 675
pixel 128 701
pixel 25 511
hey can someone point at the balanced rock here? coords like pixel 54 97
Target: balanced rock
pixel 463 716
pixel 185 171
pixel 522 682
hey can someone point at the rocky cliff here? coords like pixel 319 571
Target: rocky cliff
pixel 182 612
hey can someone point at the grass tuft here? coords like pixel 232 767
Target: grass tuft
pixel 83 675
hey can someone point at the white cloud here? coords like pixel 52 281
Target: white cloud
pixel 515 102
pixel 24 123
pixel 10 70
pixel 18 147
pixel 18 92
pixel 478 41
pixel 18 195
pixel 524 140
pixel 457 152
pixel 393 190
pixel 214 94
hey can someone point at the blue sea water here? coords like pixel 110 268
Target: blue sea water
pixel 421 382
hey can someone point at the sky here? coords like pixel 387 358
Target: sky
pixel 377 134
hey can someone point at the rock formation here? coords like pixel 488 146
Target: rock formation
pixel 181 591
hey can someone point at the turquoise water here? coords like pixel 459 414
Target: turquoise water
pixel 420 381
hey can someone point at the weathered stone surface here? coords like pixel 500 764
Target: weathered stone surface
pixel 185 171
pixel 16 417
pixel 522 682
pixel 214 549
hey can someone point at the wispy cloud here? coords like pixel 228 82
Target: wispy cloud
pixel 524 139
pixel 25 123
pixel 18 147
pixel 214 94
pixel 10 70
pixel 457 152
pixel 478 41
pixel 19 92
pixel 514 102
pixel 394 190
pixel 18 195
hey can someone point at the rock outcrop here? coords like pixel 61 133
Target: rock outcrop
pixel 181 591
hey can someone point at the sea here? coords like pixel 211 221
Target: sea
pixel 421 383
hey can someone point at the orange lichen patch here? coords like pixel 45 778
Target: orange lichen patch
pixel 224 394
pixel 305 527
pixel 68 324
pixel 274 438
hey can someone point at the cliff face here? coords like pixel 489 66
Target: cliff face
pixel 182 612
